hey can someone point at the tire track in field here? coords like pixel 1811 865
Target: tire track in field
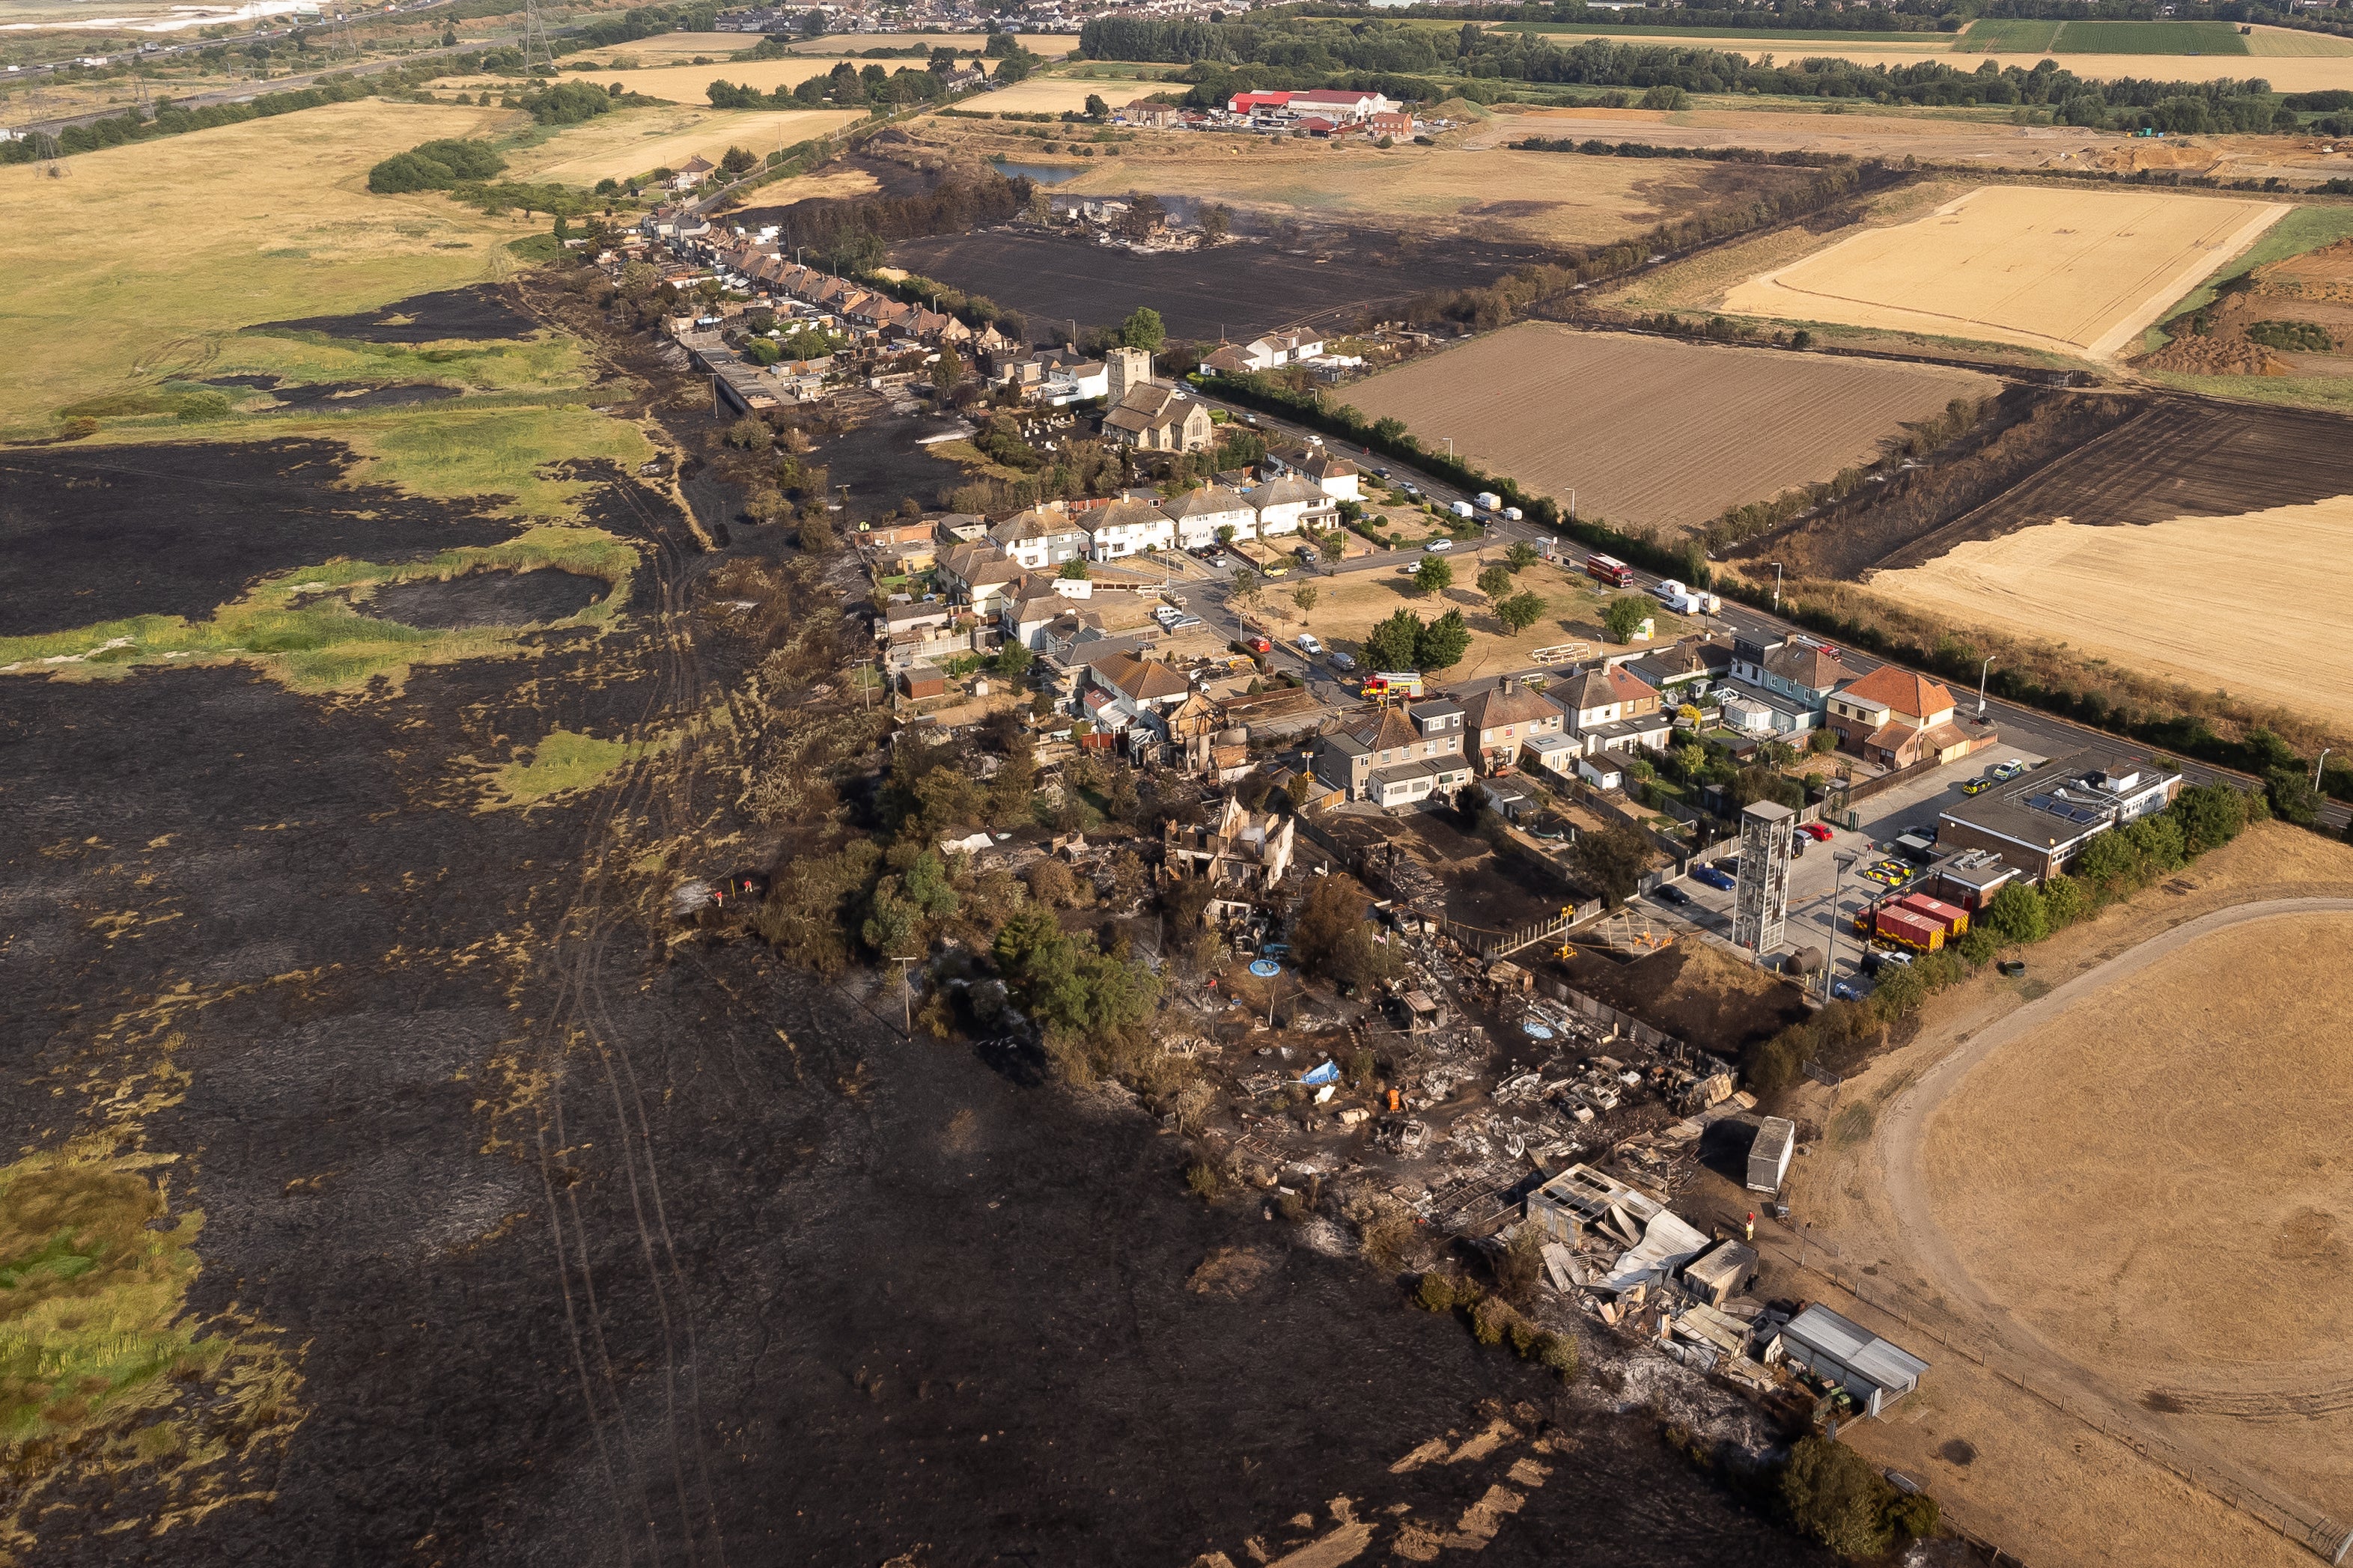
pixel 580 1014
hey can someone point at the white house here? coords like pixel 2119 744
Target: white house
pixel 1128 528
pixel 1199 514
pixel 1317 464
pixel 1077 383
pixel 1285 506
pixel 1044 536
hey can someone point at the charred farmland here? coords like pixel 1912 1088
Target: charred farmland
pixel 606 1243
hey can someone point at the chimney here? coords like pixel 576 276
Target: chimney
pixel 1508 685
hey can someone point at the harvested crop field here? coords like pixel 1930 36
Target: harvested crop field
pixel 637 141
pixel 2159 600
pixel 691 84
pixel 1046 95
pixel 2078 272
pixel 1651 432
pixel 1538 198
pixel 2151 1178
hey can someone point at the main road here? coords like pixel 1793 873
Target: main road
pixel 2030 729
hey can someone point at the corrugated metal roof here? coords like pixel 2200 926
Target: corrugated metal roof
pixel 1857 1348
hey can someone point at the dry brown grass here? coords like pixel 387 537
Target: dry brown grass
pixel 2070 271
pixel 1348 607
pixel 637 141
pixel 1536 196
pixel 2188 1251
pixel 2136 1079
pixel 1650 432
pixel 2151 598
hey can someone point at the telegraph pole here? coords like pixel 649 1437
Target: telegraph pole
pixel 907 992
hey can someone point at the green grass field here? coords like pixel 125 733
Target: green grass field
pixel 300 628
pixel 564 764
pixel 2012 36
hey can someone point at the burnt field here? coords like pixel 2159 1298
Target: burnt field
pixel 481 311
pixel 1242 289
pixel 596 1247
pixel 2091 458
pixel 97 534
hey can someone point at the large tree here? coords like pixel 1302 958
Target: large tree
pixel 1613 860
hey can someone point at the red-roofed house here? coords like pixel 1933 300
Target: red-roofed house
pixel 1896 717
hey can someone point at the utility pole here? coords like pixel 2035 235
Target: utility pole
pixel 1838 891
pixel 907 992
pixel 1982 684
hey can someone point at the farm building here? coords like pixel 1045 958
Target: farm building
pixel 1876 1372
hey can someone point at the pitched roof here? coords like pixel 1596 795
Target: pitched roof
pixel 1142 679
pixel 1284 492
pixel 1035 523
pixel 1628 686
pixel 979 561
pixel 1496 707
pixel 1591 690
pixel 1128 513
pixel 1228 359
pixel 1900 691
pixel 1208 501
pixel 1816 668
pixel 1386 730
pixel 1149 407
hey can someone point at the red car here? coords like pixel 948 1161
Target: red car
pixel 1259 645
pixel 1815 831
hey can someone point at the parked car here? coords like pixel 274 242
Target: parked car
pixel 1979 786
pixel 1257 645
pixel 1815 831
pixel 1713 877
pixel 1435 544
pixel 2011 769
pixel 1186 623
pixel 1844 990
pixel 1309 645
pixel 1668 893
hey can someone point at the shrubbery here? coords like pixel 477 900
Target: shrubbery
pixel 1834 1494
pixel 442 165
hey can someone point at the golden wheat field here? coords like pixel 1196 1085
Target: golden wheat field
pixel 637 142
pixel 2076 272
pixel 2150 596
pixel 1650 432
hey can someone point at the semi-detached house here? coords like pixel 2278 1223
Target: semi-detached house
pixel 1397 756
pixel 1042 537
pixel 1502 719
pixel 1128 527
pixel 1199 514
pixel 1286 506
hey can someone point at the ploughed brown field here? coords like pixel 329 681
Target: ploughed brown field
pixel 1651 432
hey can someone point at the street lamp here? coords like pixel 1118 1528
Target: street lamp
pixel 1777 585
pixel 1837 891
pixel 1982 684
pixel 2316 766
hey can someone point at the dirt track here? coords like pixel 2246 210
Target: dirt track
pixel 1900 1144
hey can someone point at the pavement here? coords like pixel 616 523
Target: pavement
pixel 1825 889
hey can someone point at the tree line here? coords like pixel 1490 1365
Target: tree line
pixel 1287 53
